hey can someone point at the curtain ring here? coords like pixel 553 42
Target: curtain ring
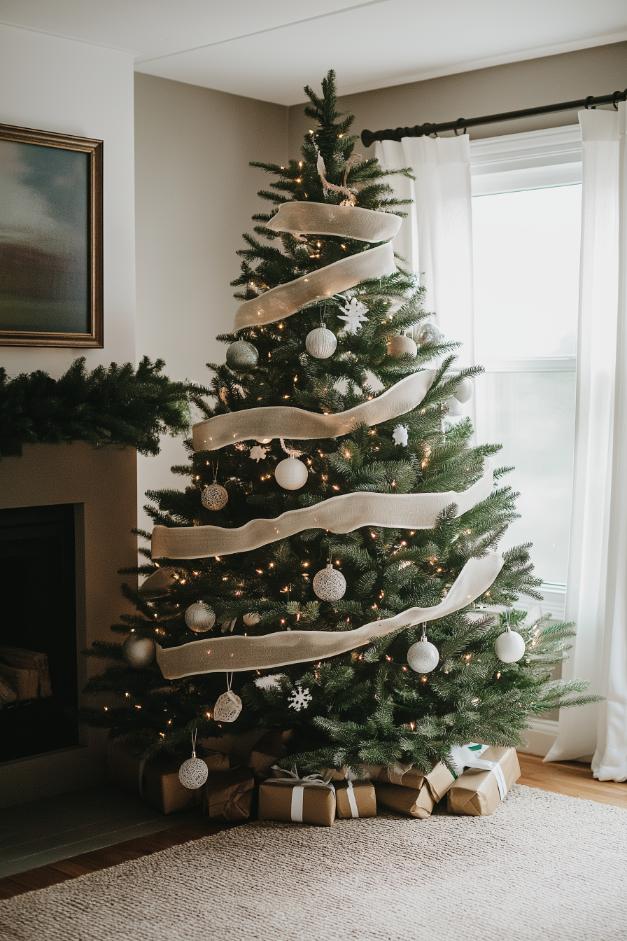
pixel 460 127
pixel 589 103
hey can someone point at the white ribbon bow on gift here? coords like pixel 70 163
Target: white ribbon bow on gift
pixel 469 756
pixel 298 790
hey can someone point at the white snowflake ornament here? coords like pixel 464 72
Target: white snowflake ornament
pixel 299 698
pixel 269 681
pixel 258 453
pixel 400 435
pixel 354 315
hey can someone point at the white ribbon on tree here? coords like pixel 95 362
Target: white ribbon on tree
pixel 286 299
pixel 341 514
pixel 353 222
pixel 284 421
pixel 283 648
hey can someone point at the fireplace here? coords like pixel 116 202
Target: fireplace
pixel 38 630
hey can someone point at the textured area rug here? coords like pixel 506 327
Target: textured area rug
pixel 543 866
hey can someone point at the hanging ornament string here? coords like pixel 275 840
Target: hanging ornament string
pixel 284 421
pixel 349 193
pixel 287 647
pixel 341 514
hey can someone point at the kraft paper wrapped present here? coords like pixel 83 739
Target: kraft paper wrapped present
pixel 268 751
pixel 292 799
pixel 481 788
pixel 155 779
pixel 355 799
pixel 230 794
pixel 410 792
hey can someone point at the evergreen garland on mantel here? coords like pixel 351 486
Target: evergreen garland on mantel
pixel 123 405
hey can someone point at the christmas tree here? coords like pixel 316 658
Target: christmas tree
pixel 332 566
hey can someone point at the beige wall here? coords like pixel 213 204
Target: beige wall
pixel 195 195
pixel 486 91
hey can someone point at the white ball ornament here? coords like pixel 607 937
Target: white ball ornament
pixel 194 772
pixel 139 652
pixel 329 584
pixel 428 333
pixel 400 346
pixel 509 646
pixel 252 618
pixel 321 343
pixel 242 355
pixel 291 474
pixel 199 617
pixel 214 497
pixel 463 392
pixel 453 407
pixel 423 656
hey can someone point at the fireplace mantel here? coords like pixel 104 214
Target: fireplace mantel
pixel 102 483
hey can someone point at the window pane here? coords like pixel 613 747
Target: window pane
pixel 533 415
pixel 527 272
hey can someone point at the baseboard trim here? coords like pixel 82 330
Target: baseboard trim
pixel 540 735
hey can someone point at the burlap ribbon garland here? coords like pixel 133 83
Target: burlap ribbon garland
pixel 286 299
pixel 284 421
pixel 353 222
pixel 341 514
pixel 283 648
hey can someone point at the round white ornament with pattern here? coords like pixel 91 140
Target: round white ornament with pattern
pixel 291 474
pixel 228 707
pixel 329 584
pixel 321 343
pixel 214 497
pixel 252 618
pixel 400 346
pixel 193 773
pixel 199 617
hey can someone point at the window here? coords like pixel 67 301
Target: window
pixel 526 232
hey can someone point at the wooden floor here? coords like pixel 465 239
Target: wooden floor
pixel 569 778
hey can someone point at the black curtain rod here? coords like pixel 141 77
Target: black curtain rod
pixel 461 124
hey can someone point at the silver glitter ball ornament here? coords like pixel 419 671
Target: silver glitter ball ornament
pixel 400 346
pixel 214 496
pixel 228 707
pixel 423 656
pixel 199 617
pixel 139 652
pixel 329 584
pixel 242 355
pixel 193 773
pixel 291 474
pixel 509 646
pixel 428 333
pixel 321 343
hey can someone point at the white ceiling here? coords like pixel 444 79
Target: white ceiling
pixel 269 49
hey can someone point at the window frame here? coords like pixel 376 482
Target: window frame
pixel 510 163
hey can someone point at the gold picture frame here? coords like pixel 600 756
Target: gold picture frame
pixel 51 268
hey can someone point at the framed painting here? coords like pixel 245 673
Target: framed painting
pixel 50 239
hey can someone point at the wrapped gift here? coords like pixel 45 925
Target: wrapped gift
pixel 270 748
pixel 230 794
pixel 297 800
pixel 481 788
pixel 155 779
pixel 355 799
pixel 409 791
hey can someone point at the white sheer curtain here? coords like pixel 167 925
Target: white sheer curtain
pixel 436 238
pixel 597 578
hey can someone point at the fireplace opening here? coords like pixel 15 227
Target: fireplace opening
pixel 38 631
